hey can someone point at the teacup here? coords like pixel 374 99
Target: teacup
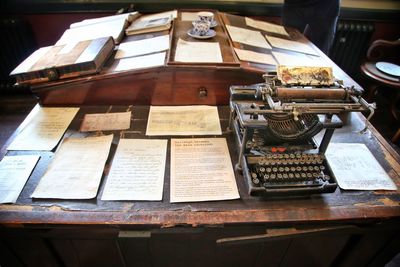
pixel 201 27
pixel 206 16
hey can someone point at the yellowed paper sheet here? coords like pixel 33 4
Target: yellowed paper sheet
pixel 201 170
pixel 249 37
pixel 246 55
pixel 76 169
pixel 106 122
pixel 189 16
pixel 137 171
pixel 43 128
pixel 288 59
pixel 356 168
pixel 266 26
pixel 291 45
pixel 141 62
pixel 204 52
pixel 14 172
pixel 143 47
pixel 183 120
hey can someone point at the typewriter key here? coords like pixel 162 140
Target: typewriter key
pixel 256 181
pixel 253 175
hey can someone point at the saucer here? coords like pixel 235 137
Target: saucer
pixel 388 68
pixel 209 34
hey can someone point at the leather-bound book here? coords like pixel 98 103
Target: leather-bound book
pixel 64 61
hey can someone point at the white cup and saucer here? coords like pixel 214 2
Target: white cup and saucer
pixel 202 26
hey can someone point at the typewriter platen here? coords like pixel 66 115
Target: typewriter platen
pixel 275 123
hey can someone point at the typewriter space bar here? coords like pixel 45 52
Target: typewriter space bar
pixel 292 185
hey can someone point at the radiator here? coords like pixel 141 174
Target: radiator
pixel 17 42
pixel 350 45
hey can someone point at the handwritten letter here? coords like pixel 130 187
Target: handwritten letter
pixel 43 128
pixel 185 120
pixel 106 122
pixel 249 37
pixel 76 170
pixel 137 171
pixel 202 52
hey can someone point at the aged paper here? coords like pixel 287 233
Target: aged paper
pixel 249 37
pixel 189 16
pixel 137 171
pixel 141 62
pixel 291 45
pixel 183 120
pixel 14 172
pixel 143 47
pixel 76 170
pixel 201 170
pixel 266 26
pixel 299 60
pixel 205 52
pixel 43 128
pixel 106 122
pixel 246 55
pixel 356 168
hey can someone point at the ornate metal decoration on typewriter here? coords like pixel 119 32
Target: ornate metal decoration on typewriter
pixel 275 123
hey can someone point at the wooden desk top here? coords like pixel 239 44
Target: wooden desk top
pixel 338 207
pixel 163 85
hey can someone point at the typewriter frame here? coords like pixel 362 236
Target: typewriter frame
pixel 246 118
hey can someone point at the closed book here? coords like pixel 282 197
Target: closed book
pixel 64 61
pixel 152 25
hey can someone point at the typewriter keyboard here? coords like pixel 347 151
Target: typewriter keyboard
pixel 289 170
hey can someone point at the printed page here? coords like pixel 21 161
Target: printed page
pixel 141 62
pixel 266 26
pixel 76 170
pixel 201 170
pixel 183 120
pixel 137 171
pixel 106 122
pixel 143 47
pixel 249 37
pixel 14 172
pixel 246 55
pixel 43 128
pixel 356 168
pixel 200 52
pixel 291 45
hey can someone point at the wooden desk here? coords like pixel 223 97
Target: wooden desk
pixel 351 226
pixel 344 228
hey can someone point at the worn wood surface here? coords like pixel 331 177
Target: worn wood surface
pixel 340 206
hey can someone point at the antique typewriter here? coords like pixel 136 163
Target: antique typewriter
pixel 276 122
